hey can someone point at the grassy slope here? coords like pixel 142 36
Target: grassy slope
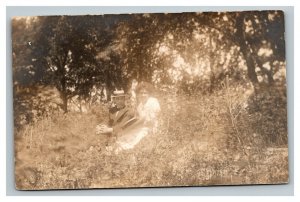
pixel 203 140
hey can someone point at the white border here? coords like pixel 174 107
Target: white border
pixel 5 3
pixel 149 3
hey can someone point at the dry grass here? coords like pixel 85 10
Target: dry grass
pixel 214 139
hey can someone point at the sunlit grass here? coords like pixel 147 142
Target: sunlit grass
pixel 219 138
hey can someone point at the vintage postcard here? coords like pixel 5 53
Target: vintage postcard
pixel 149 100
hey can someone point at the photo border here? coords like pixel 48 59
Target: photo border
pixel 240 190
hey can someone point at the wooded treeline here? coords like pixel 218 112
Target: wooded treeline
pixel 189 52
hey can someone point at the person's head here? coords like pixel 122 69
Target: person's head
pixel 143 91
pixel 118 99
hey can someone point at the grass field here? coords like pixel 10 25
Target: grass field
pixel 231 136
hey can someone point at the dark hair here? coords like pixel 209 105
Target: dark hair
pixel 145 86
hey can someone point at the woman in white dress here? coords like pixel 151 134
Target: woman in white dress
pixel 147 112
pixel 131 126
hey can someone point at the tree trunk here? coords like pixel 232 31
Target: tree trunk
pixel 212 67
pixel 245 48
pixel 64 95
pixel 65 102
pixel 249 61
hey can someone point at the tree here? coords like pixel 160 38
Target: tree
pixel 260 37
pixel 168 47
pixel 66 48
pixel 22 48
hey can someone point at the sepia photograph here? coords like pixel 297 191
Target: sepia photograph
pixel 149 100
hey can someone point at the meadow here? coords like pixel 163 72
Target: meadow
pixel 233 135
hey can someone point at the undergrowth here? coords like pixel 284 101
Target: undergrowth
pixel 235 135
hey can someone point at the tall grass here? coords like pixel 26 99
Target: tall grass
pixel 216 139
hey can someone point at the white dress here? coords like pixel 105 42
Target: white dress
pixel 147 112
